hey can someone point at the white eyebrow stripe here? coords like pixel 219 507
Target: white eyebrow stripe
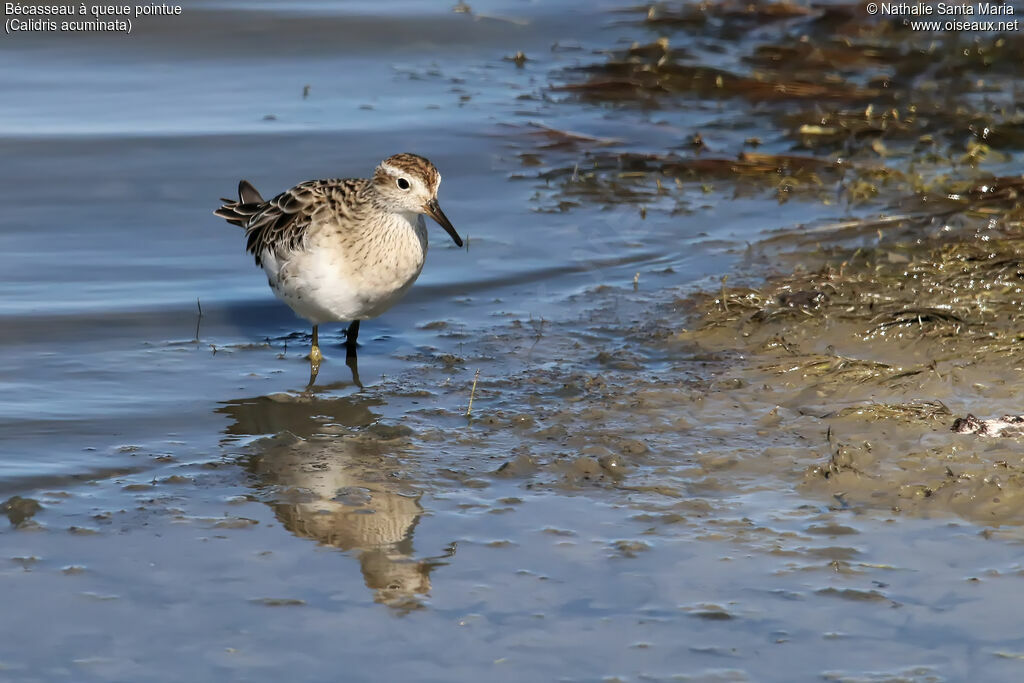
pixel 412 176
pixel 388 168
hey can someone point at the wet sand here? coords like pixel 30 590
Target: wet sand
pixel 665 475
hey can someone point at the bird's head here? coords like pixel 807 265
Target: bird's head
pixel 408 183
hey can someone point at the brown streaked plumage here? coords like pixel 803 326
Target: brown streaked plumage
pixel 343 248
pixel 281 223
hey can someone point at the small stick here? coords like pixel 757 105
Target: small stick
pixel 472 393
pixel 199 319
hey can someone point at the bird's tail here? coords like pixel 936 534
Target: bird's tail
pixel 249 202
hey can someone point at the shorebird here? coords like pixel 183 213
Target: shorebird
pixel 343 249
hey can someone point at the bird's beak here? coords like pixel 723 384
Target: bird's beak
pixel 433 209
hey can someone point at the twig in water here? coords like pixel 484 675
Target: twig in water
pixel 199 319
pixel 472 393
pixel 538 326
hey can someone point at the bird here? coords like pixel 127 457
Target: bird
pixel 343 249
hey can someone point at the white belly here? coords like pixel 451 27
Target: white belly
pixel 324 282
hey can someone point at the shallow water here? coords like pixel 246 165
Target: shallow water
pixel 608 511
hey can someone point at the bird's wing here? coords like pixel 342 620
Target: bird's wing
pixel 282 223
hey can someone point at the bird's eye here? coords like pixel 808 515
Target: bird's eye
pixel 403 183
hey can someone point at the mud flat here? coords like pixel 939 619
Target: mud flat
pixel 883 346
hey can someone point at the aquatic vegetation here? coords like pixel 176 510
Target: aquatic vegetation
pixel 912 411
pixel 863 110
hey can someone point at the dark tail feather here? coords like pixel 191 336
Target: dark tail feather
pixel 247 194
pixel 238 213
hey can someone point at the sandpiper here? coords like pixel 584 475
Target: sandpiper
pixel 343 249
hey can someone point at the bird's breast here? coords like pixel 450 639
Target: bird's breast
pixel 392 252
pixel 367 269
pixel 349 271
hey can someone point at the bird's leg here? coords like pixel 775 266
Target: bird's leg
pixel 314 352
pixel 351 334
pixel 351 357
pixel 314 355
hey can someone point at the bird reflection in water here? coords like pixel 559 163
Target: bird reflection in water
pixel 342 489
